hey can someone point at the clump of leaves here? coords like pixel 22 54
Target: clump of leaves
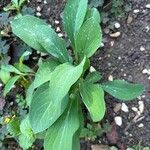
pixel 63 82
pixel 15 5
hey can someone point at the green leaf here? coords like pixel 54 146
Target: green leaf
pixel 11 68
pixel 53 44
pixel 93 77
pixel 14 127
pixel 26 138
pixel 44 72
pixel 93 98
pixel 89 38
pixel 4 76
pixel 25 28
pixel 76 141
pixel 23 68
pixel 48 105
pixel 123 90
pixel 29 93
pixel 74 15
pixel 93 13
pixel 25 142
pixel 10 84
pixel 60 135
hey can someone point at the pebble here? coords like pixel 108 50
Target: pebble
pixel 116 34
pixel 102 44
pixel 112 43
pixel 58 29
pixel 148 6
pixel 110 78
pixel 117 107
pixel 39 1
pixel 136 11
pixel 141 106
pixel 38 14
pixel 118 120
pixel 146 71
pixel 149 78
pixel 92 69
pixel 142 48
pixel 119 58
pixel 117 25
pixel 124 107
pixel 45 2
pixel 56 22
pixel 141 125
pixel 134 109
pixel 1 84
pixel 38 9
pixel 60 34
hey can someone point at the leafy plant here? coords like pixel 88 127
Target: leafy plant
pixel 15 5
pixel 63 82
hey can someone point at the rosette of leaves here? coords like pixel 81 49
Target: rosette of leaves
pixel 62 83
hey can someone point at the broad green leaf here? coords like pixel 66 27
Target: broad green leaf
pixel 11 68
pixel 23 68
pixel 60 135
pixel 25 28
pixel 93 98
pixel 25 127
pixel 123 90
pixel 4 76
pixel 29 93
pixel 26 138
pixel 89 38
pixel 52 43
pixel 93 13
pixel 74 15
pixel 48 105
pixel 10 84
pixel 14 127
pixel 25 142
pixel 93 77
pixel 76 141
pixel 44 72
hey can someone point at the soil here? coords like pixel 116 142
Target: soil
pixel 122 58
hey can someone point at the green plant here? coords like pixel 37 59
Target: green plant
pixel 15 5
pixel 63 82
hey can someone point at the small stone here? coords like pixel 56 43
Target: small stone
pixel 134 109
pixel 136 11
pixel 92 69
pixel 56 22
pixel 141 106
pixel 130 19
pixel 124 74
pixel 117 25
pixel 100 147
pixel 117 107
pixel 38 14
pixel 148 6
pixel 39 1
pixel 58 29
pixel 45 2
pixel 116 34
pixel 119 58
pixel 108 55
pixel 110 78
pixel 145 71
pixel 1 84
pixel 112 43
pixel 60 34
pixel 124 107
pixel 142 48
pixel 38 9
pixel 141 125
pixel 43 54
pixel 149 78
pixel 102 44
pixel 118 120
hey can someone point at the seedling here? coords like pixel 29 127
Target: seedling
pixel 15 5
pixel 63 82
